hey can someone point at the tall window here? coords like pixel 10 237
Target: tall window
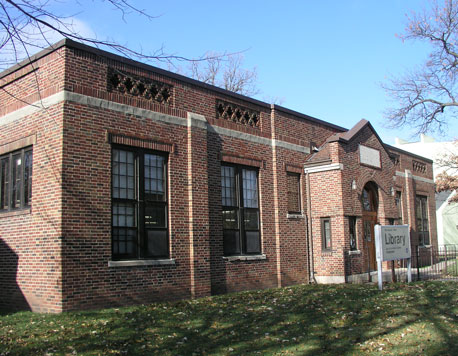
pixel 240 210
pixel 398 202
pixel 352 227
pixel 139 204
pixel 16 180
pixel 421 214
pixel 294 192
pixel 326 233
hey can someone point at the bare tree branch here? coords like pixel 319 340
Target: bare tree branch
pixel 226 72
pixel 29 25
pixel 447 180
pixel 426 97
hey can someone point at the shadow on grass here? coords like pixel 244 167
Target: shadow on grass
pixel 443 317
pixel 302 320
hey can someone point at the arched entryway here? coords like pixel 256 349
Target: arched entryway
pixel 369 201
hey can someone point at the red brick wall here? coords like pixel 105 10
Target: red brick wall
pixel 62 247
pixel 31 239
pixel 47 73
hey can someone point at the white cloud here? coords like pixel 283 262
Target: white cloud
pixel 35 38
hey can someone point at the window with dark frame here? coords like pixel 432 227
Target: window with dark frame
pixel 139 204
pixel 326 233
pixel 421 215
pixel 398 202
pixel 16 180
pixel 294 192
pixel 352 227
pixel 240 210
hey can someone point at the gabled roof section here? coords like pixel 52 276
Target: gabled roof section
pixel 347 136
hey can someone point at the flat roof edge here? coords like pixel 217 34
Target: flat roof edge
pixel 34 58
pixel 97 51
pixel 393 148
pixel 307 117
pixel 113 56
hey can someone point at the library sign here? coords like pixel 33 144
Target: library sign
pixel 392 243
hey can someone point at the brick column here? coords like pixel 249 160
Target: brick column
pixel 275 202
pixel 410 204
pixel 198 212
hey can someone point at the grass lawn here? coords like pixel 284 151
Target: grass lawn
pixel 452 268
pixel 404 319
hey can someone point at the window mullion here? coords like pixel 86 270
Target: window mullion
pixel 1 183
pixel 242 238
pixel 10 182
pixel 140 199
pixel 21 181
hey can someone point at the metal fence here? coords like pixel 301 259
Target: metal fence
pixel 429 263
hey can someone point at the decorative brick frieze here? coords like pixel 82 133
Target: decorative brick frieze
pixel 236 113
pixel 395 159
pixel 139 86
pixel 418 166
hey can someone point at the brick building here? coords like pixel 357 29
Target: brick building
pixel 122 183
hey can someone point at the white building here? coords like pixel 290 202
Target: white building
pixel 447 214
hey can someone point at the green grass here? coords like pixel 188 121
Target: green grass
pixel 403 319
pixel 452 268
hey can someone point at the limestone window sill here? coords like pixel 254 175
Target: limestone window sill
pixel 354 252
pixel 15 212
pixel 134 263
pixel 295 216
pixel 245 258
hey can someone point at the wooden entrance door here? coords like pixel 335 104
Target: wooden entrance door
pixel 369 221
pixel 369 200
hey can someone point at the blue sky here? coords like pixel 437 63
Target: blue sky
pixel 322 58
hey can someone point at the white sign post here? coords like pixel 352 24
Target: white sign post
pixel 392 242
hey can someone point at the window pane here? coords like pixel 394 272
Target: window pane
pixel 366 201
pixel 123 177
pixel 293 181
pixel 228 186
pixel 418 207
pixel 367 231
pixel 230 219
pixel 250 189
pixel 425 225
pixel 124 215
pixel 157 245
pixel 424 208
pixel 251 219
pixel 327 233
pixel 398 201
pixel 421 213
pixel 426 238
pixel 124 242
pixel 5 167
pixel 27 177
pixel 352 225
pixel 231 242
pixel 155 216
pixel 16 181
pixel 240 236
pixel 253 243
pixel 154 177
